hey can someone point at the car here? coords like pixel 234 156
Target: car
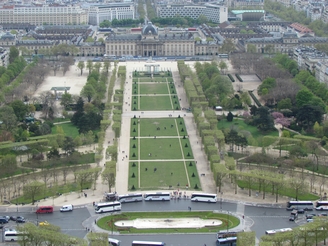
pixel 323 214
pixel 44 223
pixel 20 219
pixel 13 218
pixel 3 220
pixel 301 211
pixel 309 220
pixel 309 216
pixel 292 218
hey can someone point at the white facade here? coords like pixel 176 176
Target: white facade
pixel 119 11
pixel 214 12
pixel 38 15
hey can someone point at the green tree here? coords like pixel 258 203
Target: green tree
pixel 89 65
pixel 68 145
pixel 251 48
pixel 32 190
pixel 108 177
pixel 83 177
pixel 20 109
pixel 13 54
pixel 66 100
pixel 223 66
pixel 88 91
pixel 81 66
pixel 307 115
pixel 263 119
pixel 230 117
pixel 8 118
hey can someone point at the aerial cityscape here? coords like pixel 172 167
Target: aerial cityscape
pixel 177 123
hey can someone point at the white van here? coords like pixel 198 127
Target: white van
pixel 114 242
pixel 67 208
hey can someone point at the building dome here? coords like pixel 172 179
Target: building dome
pixel 149 29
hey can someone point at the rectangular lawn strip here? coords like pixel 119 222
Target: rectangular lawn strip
pixel 186 148
pixel 158 88
pixel 135 89
pixel 175 102
pixel 106 222
pixel 242 126
pixel 193 175
pixel 134 132
pixel 160 148
pixel 69 129
pixel 168 174
pixel 135 103
pixel 283 192
pixel 134 149
pixel 169 79
pixel 145 79
pixel 133 181
pixel 154 103
pixel 158 127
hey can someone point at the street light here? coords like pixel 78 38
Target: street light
pixel 228 221
pixel 37 215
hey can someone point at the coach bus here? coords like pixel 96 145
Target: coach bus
pixel 146 243
pixel 158 196
pixel 203 197
pixel 306 205
pixel 107 207
pixel 272 232
pixel 322 205
pixel 137 197
pixel 227 241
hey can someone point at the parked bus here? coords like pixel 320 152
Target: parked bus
pixel 227 241
pixel 107 207
pixel 158 196
pixel 145 243
pixel 10 236
pixel 306 205
pixel 45 210
pixel 114 242
pixel 272 232
pixel 203 197
pixel 322 205
pixel 137 197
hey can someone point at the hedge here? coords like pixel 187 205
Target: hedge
pixel 238 77
pixel 255 99
pixel 231 78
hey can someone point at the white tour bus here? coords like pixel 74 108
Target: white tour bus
pixel 272 232
pixel 145 243
pixel 203 197
pixel 136 197
pixel 114 242
pixel 321 205
pixel 107 207
pixel 10 236
pixel 158 196
pixel 306 205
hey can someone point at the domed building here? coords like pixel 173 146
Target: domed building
pixel 152 42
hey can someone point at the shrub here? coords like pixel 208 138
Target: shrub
pixel 231 78
pixel 238 77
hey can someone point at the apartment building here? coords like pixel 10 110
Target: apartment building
pixel 98 13
pixel 41 14
pixel 215 12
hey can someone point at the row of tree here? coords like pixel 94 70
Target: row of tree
pixel 121 23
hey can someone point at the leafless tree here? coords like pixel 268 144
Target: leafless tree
pixel 47 99
pixel 66 62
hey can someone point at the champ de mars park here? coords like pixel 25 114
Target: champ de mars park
pixel 246 129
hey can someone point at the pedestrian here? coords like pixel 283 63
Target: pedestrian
pixel 95 221
pixel 189 208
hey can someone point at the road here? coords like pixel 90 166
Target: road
pixel 259 219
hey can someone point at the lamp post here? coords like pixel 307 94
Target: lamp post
pixel 221 201
pixel 37 215
pixel 111 222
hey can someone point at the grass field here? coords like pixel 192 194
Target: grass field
pixel 158 127
pixel 228 221
pixel 160 88
pixel 68 128
pixel 161 140
pixel 154 103
pixel 242 126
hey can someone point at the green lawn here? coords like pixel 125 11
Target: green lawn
pixel 154 103
pixel 242 126
pixel 68 128
pixel 228 221
pixel 158 127
pixel 159 88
